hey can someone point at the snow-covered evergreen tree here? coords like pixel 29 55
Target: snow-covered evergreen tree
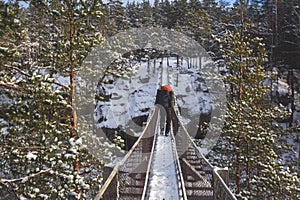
pixel 198 22
pixel 118 20
pixel 42 153
pixel 252 143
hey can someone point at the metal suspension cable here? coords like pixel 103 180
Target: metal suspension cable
pixel 179 171
pixel 145 190
pixel 111 185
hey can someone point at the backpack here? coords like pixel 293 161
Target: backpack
pixel 163 98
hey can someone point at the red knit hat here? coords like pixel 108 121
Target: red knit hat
pixel 166 87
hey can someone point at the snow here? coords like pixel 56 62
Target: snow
pixel 129 98
pixel 135 97
pixel 30 156
pixel 61 79
pixel 282 87
pixel 142 99
pixel 165 73
pixel 163 183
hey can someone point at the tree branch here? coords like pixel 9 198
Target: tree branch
pixel 11 86
pixel 18 70
pixel 22 148
pixel 24 179
pixel 59 84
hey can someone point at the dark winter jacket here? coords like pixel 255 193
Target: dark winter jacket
pixel 165 98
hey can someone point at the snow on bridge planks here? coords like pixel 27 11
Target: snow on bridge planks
pixel 163 182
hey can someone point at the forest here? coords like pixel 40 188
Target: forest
pixel 43 44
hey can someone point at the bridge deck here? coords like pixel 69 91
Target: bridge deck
pixel 163 176
pixel 158 168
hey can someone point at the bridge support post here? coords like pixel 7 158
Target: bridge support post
pixel 112 190
pixel 107 170
pixel 224 173
pixel 220 180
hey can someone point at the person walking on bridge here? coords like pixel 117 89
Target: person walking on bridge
pixel 165 99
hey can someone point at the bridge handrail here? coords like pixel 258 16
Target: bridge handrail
pixel 149 164
pixel 196 147
pixel 217 179
pixel 118 165
pixel 184 195
pixel 216 175
pixel 137 142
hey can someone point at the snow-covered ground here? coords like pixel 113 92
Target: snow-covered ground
pixel 129 98
pixel 135 97
pixel 281 91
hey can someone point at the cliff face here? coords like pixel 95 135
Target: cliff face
pixel 128 102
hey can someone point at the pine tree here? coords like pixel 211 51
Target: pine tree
pixel 117 17
pixel 42 155
pixel 169 14
pixel 179 13
pixel 11 37
pixel 288 25
pixel 198 23
pixel 146 15
pixel 157 13
pixel 252 143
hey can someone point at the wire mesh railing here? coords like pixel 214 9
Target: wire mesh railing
pixel 202 180
pixel 127 179
pixel 181 191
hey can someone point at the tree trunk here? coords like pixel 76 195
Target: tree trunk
pixel 248 167
pixel 291 77
pixel 72 79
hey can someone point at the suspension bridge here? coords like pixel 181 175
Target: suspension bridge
pixel 159 167
pixel 195 177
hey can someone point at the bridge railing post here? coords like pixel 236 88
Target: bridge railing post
pixel 224 173
pixel 111 190
pixel 220 182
